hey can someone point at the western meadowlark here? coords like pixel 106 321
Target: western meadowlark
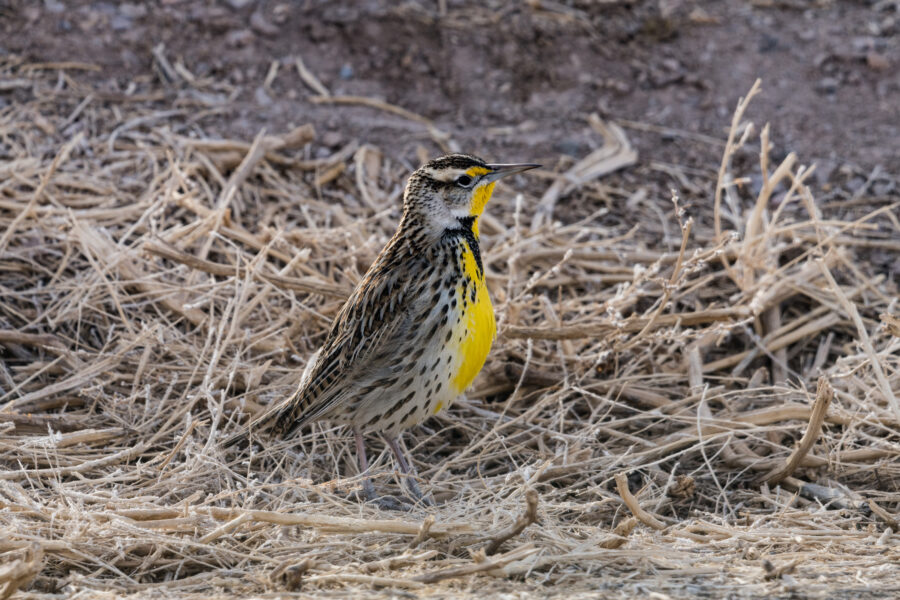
pixel 418 327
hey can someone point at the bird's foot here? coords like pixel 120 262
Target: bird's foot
pixel 366 495
pixel 416 492
pixel 368 490
pixel 391 503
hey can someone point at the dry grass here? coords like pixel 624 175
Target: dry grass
pixel 707 404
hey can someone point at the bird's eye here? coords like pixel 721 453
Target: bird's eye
pixel 464 181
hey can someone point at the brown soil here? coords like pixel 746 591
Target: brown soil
pixel 830 70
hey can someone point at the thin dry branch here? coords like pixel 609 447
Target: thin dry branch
pixel 634 506
pixel 333 524
pixel 528 516
pixel 824 396
pixel 310 79
pixel 615 153
pixel 592 330
pixel 440 137
pixel 306 285
pixel 850 308
pixel 620 534
pixel 478 567
pixel 18 573
pixel 724 180
pixel 125 357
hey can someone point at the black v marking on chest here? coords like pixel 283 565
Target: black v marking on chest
pixel 466 231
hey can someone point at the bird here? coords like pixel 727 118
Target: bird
pixel 418 326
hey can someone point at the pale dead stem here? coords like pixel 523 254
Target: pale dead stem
pixel 615 153
pixel 441 138
pixel 824 396
pixel 158 286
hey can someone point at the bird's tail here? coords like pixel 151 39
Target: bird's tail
pixel 261 423
pixel 275 416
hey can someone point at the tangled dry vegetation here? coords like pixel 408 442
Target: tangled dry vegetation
pixel 705 405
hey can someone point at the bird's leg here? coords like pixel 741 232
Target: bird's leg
pixel 368 488
pixel 408 472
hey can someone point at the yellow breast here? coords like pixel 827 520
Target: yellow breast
pixel 477 321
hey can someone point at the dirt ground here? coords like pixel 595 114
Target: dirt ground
pixel 508 80
pixel 140 89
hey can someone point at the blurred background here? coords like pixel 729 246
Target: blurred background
pixel 508 80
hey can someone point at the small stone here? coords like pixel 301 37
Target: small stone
pixel 346 71
pixel 262 97
pixel 698 15
pixel 280 13
pixel 569 146
pixel 239 4
pixel 130 58
pixel 105 8
pixel 259 24
pixel 768 43
pixel 855 184
pixel 877 61
pixel 120 23
pixel 827 85
pixel 862 44
pixel 619 86
pixel 883 188
pixel 132 11
pixel 54 6
pixel 332 139
pixel 823 172
pixel 239 37
pixel 671 64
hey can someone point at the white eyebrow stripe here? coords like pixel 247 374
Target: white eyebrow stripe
pixel 446 175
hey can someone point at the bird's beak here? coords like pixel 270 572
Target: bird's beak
pixel 498 171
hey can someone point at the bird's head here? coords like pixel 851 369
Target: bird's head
pixel 451 191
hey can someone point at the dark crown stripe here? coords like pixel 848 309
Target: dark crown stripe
pixel 455 161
